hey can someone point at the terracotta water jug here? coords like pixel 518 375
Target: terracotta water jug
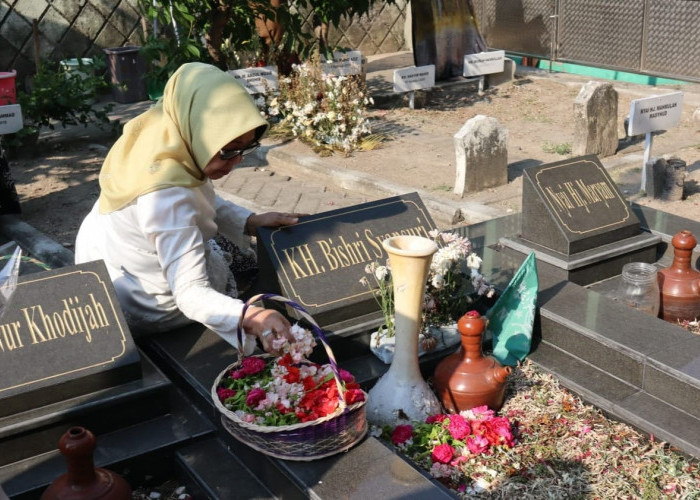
pixel 680 283
pixel 466 378
pixel 83 481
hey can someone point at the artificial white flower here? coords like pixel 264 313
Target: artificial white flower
pixel 381 273
pixel 473 261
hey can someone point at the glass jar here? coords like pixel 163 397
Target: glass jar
pixel 639 287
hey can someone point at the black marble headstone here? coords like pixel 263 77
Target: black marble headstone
pixel 319 262
pixel 62 334
pixel 573 205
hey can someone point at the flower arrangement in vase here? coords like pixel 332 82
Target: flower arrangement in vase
pixel 454 286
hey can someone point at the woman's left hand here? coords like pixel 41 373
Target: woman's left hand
pixel 271 219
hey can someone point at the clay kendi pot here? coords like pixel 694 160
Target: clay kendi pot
pixel 680 283
pixel 83 481
pixel 466 378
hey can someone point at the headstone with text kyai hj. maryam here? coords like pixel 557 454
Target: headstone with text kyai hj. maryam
pixel 573 205
pixel 62 335
pixel 574 217
pixel 320 261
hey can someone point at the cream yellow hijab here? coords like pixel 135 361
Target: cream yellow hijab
pixel 202 110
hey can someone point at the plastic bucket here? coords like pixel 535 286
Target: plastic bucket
pixel 81 67
pixel 8 94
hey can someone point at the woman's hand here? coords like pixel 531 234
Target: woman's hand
pixel 267 325
pixel 270 219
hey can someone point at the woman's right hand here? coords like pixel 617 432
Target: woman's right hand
pixel 267 325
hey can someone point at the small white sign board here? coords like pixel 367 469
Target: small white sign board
pixel 659 112
pixel 11 119
pixel 257 80
pixel 414 78
pixel 344 63
pixel 484 63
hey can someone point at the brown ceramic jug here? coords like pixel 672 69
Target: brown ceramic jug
pixel 467 379
pixel 680 283
pixel 83 481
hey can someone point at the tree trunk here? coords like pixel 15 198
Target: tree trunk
pixel 214 37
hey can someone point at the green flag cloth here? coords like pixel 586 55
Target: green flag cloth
pixel 512 316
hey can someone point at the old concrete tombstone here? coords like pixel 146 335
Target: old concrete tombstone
pixel 481 154
pixel 320 261
pixel 595 120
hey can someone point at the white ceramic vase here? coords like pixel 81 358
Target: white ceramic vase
pixel 401 394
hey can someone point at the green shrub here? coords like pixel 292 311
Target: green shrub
pixel 64 97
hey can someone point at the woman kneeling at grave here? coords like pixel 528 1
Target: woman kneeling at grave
pixel 158 213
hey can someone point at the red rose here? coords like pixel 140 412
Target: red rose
pixel 432 419
pixel 346 376
pixel 224 393
pixel 442 453
pixel 401 434
pixel 285 360
pixel 236 374
pixel 353 396
pixel 292 375
pixel 459 427
pixel 326 406
pixel 309 383
pixel 501 428
pixel 251 366
pixel 254 397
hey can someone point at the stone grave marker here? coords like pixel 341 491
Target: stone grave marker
pixel 62 334
pixel 575 218
pixel 482 155
pixel 320 261
pixel 595 120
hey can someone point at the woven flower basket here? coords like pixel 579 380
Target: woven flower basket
pixel 320 438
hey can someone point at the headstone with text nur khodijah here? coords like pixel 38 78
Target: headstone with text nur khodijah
pixel 62 335
pixel 320 261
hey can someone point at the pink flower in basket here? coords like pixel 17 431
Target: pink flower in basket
pixel 254 397
pixel 224 394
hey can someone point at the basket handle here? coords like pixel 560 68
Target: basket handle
pixel 314 326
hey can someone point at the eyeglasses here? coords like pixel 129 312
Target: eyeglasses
pixel 229 154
